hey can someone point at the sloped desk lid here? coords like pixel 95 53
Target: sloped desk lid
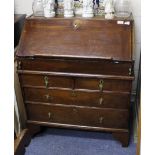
pixel 77 37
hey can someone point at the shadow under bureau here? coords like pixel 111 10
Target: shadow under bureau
pixel 77 73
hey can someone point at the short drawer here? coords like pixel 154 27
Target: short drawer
pixel 103 84
pixel 46 81
pixel 108 118
pixel 80 98
pixel 104 67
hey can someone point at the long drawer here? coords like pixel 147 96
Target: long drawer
pixel 104 67
pixel 96 117
pixel 75 82
pixel 77 97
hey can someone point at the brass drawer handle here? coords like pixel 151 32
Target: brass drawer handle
pixel 50 115
pixel 46 81
pixel 73 94
pixel 101 101
pixel 101 119
pixel 101 82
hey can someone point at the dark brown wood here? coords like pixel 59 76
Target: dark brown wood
pixel 98 76
pixel 78 79
pixel 76 83
pixel 21 141
pixel 99 38
pixel 60 17
pixel 108 84
pixel 33 129
pixel 109 118
pixel 80 127
pixel 122 137
pixel 105 67
pixel 53 81
pixel 78 97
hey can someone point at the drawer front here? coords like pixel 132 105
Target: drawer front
pixel 78 116
pixel 77 83
pixel 77 66
pixel 80 98
pixel 46 81
pixel 79 38
pixel 103 84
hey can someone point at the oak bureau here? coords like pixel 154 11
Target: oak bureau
pixel 77 73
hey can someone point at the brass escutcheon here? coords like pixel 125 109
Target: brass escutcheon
pixel 101 119
pixel 74 94
pixel 76 24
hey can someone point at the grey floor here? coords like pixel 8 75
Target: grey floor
pixel 72 142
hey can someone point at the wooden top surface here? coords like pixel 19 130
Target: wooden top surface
pixel 130 18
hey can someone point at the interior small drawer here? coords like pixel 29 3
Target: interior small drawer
pixel 109 118
pixel 79 98
pixel 46 81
